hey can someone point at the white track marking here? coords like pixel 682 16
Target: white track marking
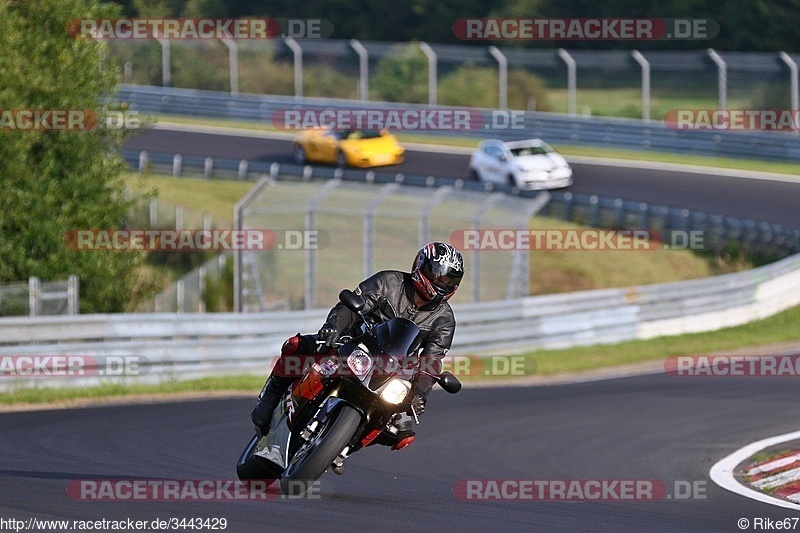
pixel 773 465
pixel 771 482
pixel 722 472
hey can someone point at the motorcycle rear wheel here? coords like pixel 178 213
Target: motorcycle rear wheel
pixel 325 447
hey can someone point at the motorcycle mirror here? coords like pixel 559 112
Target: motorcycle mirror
pixel 448 382
pixel 354 302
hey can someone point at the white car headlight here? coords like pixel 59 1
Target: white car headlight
pixel 396 391
pixel 359 362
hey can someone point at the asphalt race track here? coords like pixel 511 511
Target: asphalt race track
pixel 650 427
pixel 761 200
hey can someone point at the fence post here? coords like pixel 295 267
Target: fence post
pixel 178 217
pixel 644 212
pixel 645 83
pixel 572 83
pixel 502 67
pixel 238 224
pixel 297 51
pixel 363 69
pixel 72 295
pixel 619 213
pixel 594 210
pixel 180 295
pixel 153 212
pixel 166 69
pixel 369 241
pixel 722 78
pixel 793 83
pixel 432 82
pixel 309 298
pixel 142 161
pixel 233 63
pixel 487 204
pixel 242 169
pixel 208 168
pixel 201 289
pixel 206 222
pixel 569 206
pixel 33 296
pixel 424 220
pixel 177 165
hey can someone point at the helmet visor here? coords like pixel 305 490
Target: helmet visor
pixel 443 277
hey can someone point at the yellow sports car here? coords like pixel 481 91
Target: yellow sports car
pixel 343 148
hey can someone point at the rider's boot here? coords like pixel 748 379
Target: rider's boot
pixel 268 401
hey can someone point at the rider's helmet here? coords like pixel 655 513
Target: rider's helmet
pixel 436 272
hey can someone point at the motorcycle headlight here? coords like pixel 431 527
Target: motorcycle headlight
pixel 359 362
pixel 396 391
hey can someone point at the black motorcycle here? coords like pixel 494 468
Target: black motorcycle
pixel 351 398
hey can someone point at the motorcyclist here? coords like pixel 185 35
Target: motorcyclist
pixel 420 296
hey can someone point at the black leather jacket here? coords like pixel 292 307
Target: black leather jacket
pixel 389 294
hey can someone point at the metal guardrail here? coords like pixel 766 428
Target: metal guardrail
pixel 554 128
pixel 191 345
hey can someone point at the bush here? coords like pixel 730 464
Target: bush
pixel 402 76
pixel 218 295
pixel 473 86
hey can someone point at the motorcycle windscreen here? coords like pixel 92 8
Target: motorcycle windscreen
pixel 398 337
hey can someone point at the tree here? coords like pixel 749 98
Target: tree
pixel 402 76
pixel 53 182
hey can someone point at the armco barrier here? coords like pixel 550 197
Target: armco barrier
pixel 181 346
pixel 554 128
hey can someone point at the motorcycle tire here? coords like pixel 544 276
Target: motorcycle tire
pixel 299 477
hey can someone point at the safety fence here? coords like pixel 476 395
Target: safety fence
pixel 338 67
pixel 36 297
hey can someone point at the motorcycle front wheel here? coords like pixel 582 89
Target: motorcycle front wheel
pixel 316 455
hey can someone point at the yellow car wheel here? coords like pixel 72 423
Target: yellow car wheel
pixel 341 160
pixel 300 155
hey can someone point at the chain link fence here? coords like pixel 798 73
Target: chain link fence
pixel 205 287
pixel 37 298
pixel 334 234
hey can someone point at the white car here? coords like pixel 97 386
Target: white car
pixel 527 165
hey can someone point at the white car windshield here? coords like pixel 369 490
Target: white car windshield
pixel 529 150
